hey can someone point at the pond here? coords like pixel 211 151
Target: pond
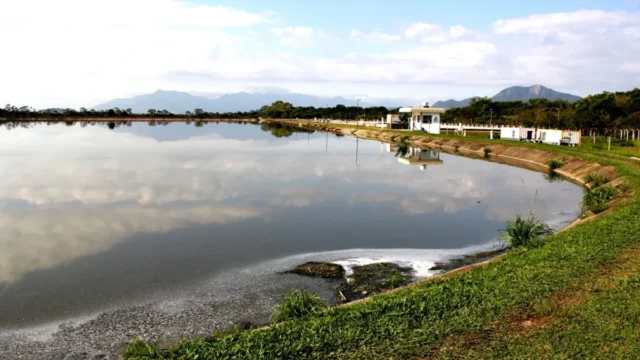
pixel 174 231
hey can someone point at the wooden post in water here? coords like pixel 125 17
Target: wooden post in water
pixel 609 141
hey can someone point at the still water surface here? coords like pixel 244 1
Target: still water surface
pixel 93 220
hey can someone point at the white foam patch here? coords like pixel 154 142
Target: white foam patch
pixel 420 260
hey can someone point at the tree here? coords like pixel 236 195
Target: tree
pixel 404 120
pixel 152 112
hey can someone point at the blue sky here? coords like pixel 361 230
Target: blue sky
pixel 411 50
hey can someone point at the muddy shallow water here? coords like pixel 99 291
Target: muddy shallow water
pixel 174 231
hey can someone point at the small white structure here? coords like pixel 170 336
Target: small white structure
pixel 517 133
pixel 560 137
pixel 550 136
pixel 424 119
pixel 392 119
pixel 571 138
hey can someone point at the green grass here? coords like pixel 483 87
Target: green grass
pixel 396 280
pixel 605 327
pixel 413 322
pixel 298 304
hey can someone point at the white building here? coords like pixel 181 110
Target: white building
pixel 546 136
pixel 517 133
pixel 560 137
pixel 424 119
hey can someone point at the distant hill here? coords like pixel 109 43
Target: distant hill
pixel 448 104
pixel 515 93
pixel 178 102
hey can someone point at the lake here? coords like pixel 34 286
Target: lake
pixel 177 230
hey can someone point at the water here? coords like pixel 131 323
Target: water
pixel 109 234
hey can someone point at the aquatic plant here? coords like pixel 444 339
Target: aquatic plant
pixel 597 200
pixel 525 232
pixel 298 304
pixel 595 180
pixel 554 164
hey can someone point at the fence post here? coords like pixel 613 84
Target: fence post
pixel 609 141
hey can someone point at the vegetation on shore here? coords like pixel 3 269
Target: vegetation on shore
pixel 479 313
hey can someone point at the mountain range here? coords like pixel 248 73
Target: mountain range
pixel 515 93
pixel 178 102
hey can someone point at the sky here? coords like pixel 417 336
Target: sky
pixel 73 53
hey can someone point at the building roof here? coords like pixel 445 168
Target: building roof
pixel 422 110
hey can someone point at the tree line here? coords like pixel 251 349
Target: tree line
pixel 602 112
pixel 277 110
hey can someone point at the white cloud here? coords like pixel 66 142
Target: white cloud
pixel 588 20
pixel 434 33
pixel 299 36
pixel 420 29
pixel 87 49
pixel 373 36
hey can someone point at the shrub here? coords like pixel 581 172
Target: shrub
pixel 597 200
pixel 487 151
pixel 525 232
pixel 457 147
pixel 554 164
pixel 298 304
pixel 595 180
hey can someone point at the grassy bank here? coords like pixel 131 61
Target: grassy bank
pixel 481 313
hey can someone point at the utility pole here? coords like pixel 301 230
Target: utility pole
pixel 491 124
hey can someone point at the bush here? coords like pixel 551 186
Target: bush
pixel 525 232
pixel 597 200
pixel 457 147
pixel 595 180
pixel 554 164
pixel 487 151
pixel 298 304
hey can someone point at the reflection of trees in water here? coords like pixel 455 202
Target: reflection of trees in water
pixel 111 124
pixel 282 130
pixel 403 148
pixel 553 177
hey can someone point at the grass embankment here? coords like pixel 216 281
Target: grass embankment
pixel 575 295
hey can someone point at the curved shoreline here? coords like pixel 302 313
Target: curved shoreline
pixel 574 170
